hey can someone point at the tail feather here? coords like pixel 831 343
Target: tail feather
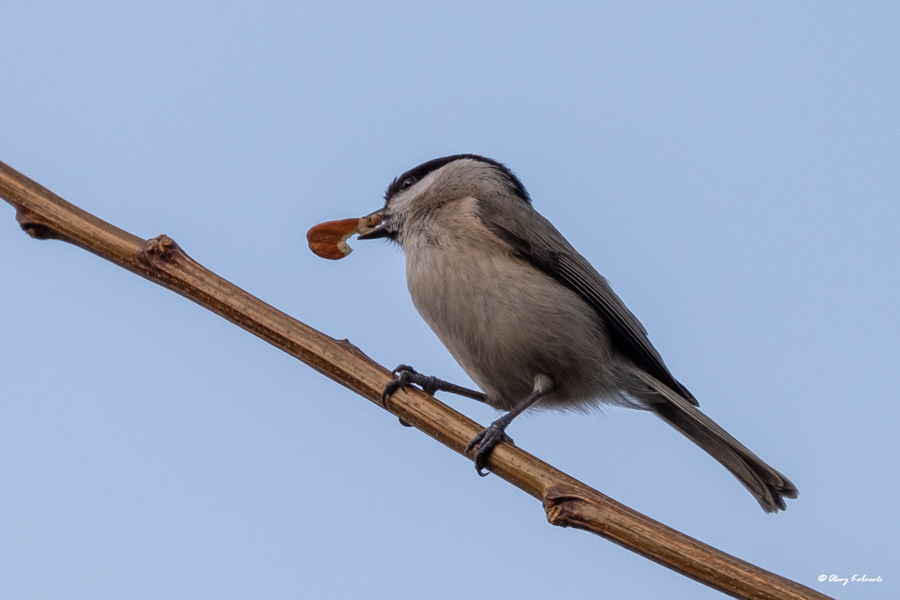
pixel 767 485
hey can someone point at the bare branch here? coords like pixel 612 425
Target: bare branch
pixel 567 501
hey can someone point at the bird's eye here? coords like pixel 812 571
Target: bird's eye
pixel 407 183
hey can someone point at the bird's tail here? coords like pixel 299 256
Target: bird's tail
pixel 767 485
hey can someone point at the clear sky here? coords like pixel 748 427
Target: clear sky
pixel 732 168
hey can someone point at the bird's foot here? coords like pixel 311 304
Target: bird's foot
pixel 405 375
pixel 486 441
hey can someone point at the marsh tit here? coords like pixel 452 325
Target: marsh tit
pixel 528 318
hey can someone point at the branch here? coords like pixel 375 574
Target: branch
pixel 567 502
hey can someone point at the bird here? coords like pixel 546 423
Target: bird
pixel 528 318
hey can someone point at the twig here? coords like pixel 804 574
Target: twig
pixel 567 501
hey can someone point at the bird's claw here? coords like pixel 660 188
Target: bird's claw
pixel 486 441
pixel 402 376
pixel 405 375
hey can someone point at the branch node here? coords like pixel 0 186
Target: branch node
pixel 350 347
pixel 563 505
pixel 162 248
pixel 35 227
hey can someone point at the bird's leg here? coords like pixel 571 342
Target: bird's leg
pixel 404 375
pixel 496 431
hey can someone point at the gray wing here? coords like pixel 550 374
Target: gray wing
pixel 534 239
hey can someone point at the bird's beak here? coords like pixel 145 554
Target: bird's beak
pixel 377 227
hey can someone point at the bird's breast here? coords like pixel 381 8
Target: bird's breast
pixel 501 318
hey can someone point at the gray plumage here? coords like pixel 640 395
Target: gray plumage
pixel 526 316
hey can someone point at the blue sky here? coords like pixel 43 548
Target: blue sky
pixel 731 169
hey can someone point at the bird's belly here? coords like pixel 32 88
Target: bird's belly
pixel 505 322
